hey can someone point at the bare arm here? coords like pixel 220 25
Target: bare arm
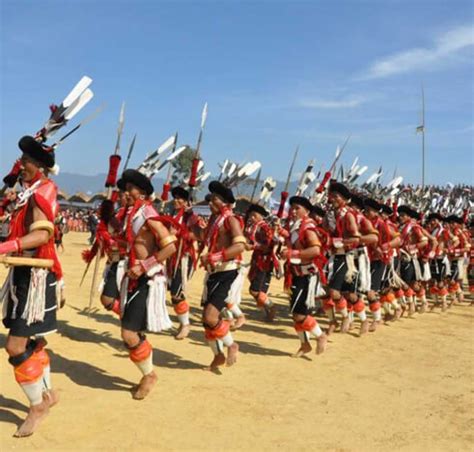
pixel 166 242
pixel 238 240
pixel 314 248
pixel 354 240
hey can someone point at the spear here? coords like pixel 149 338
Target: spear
pixel 94 278
pixel 114 159
pixel 257 181
pixel 130 150
pixel 194 169
pixel 328 174
pixel 166 185
pixel 306 178
pixel 284 193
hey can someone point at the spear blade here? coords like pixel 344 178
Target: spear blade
pixel 290 172
pixel 78 126
pixel 130 150
pixel 120 128
pixel 255 185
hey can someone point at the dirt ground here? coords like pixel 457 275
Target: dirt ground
pixel 408 387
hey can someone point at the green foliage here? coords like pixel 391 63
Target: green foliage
pixel 182 166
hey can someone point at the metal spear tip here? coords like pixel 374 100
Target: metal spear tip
pixel 204 116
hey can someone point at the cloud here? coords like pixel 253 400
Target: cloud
pixel 445 46
pixel 331 104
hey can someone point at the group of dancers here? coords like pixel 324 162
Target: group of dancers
pixel 351 257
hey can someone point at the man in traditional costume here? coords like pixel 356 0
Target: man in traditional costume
pixel 260 237
pixel 143 301
pixel 30 294
pixel 303 255
pixel 183 263
pixel 225 243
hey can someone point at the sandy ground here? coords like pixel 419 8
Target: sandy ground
pixel 407 387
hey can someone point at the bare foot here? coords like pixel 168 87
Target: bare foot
pixel 411 310
pixel 219 360
pixel 346 323
pixel 321 342
pixel 332 327
pixel 52 397
pixel 388 317
pixel 145 386
pixel 36 414
pixel 303 350
pixel 270 313
pixel 398 314
pixel 423 308
pixel 183 332
pixel 404 308
pixel 232 353
pixel 239 322
pixel 364 327
pixel 373 326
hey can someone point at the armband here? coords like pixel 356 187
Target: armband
pixel 44 225
pixel 239 239
pixel 166 241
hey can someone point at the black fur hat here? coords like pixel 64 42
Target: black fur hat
pixel 180 193
pixel 337 187
pixel 37 151
pixel 219 189
pixel 357 201
pixel 319 211
pixel 301 201
pixel 257 208
pixel 407 210
pixel 372 204
pixel 138 179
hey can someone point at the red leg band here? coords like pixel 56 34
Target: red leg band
pixel 181 308
pixel 375 306
pixel 328 304
pixel 218 332
pixel 341 304
pixel 261 298
pixel 141 352
pixel 28 371
pixel 359 306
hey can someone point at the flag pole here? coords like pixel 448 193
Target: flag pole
pixel 423 136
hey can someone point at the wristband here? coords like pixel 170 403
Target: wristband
pixel 216 258
pixel 148 264
pixel 11 246
pixel 294 254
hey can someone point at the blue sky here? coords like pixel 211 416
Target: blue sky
pixel 275 74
